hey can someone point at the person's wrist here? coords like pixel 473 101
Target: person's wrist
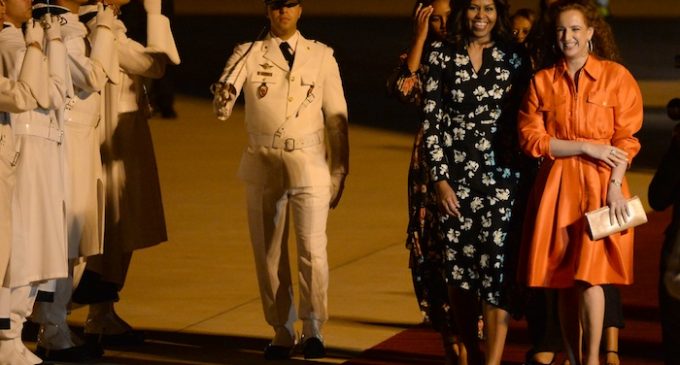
pixel 35 44
pixel 616 182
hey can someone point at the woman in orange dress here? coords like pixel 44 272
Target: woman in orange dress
pixel 579 115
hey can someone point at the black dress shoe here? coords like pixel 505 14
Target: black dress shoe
pixel 276 352
pixel 313 348
pixel 125 339
pixel 80 353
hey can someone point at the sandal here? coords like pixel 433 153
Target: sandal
pixel 615 362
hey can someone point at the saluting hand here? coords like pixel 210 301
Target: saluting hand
pixel 52 24
pixel 105 16
pixel 34 34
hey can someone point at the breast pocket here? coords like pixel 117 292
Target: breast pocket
pixel 600 114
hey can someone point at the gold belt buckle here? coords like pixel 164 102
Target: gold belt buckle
pixel 289 145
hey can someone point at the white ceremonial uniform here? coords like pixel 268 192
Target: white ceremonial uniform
pixel 84 181
pixel 134 209
pixel 15 97
pixel 38 243
pixel 38 226
pixel 83 178
pixel 289 113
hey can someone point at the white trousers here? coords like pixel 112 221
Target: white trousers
pixel 268 216
pixel 20 303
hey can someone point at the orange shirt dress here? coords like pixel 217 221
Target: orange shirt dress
pixel 606 108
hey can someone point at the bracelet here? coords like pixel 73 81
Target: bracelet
pixel 616 182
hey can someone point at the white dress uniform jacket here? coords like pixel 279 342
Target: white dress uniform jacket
pixel 88 72
pixel 292 114
pixel 38 225
pixel 133 200
pixel 15 97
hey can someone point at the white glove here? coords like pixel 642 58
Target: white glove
pixel 34 33
pixel 52 25
pixel 105 16
pixel 152 6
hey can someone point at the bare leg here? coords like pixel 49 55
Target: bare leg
pixel 496 321
pixel 466 308
pixel 451 349
pixel 591 313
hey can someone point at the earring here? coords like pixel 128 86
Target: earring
pixel 590 46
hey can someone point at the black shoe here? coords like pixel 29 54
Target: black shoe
pixel 80 353
pixel 276 352
pixel 125 339
pixel 313 348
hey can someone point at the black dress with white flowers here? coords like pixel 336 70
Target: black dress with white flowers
pixel 470 140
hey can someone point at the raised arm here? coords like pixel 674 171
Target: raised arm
pixel 149 61
pixel 91 72
pixel 56 55
pixel 23 95
pixel 228 87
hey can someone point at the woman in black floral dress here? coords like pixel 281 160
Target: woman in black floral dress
pixel 471 96
pixel 425 259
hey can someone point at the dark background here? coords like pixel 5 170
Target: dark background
pixel 367 49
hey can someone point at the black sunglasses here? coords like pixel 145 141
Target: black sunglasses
pixel 281 5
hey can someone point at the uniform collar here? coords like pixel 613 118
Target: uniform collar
pixel 292 41
pixel 592 68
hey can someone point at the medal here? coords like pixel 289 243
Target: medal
pixel 262 90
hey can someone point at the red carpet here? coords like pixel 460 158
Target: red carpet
pixel 639 341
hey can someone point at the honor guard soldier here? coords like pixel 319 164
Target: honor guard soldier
pixel 294 103
pixel 90 62
pixel 134 217
pixel 33 174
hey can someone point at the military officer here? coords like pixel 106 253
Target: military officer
pixel 294 104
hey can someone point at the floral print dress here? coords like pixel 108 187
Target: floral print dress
pixel 425 259
pixel 470 140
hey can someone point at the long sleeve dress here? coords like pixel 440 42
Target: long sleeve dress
pixel 425 258
pixel 469 124
pixel 606 108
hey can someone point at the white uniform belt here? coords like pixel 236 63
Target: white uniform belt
pixel 285 142
pixel 48 132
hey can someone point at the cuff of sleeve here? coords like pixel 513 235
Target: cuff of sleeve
pixel 159 37
pixel 544 145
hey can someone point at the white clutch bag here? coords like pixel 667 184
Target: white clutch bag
pixel 599 223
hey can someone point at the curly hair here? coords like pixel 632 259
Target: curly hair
pixel 603 42
pixel 500 32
